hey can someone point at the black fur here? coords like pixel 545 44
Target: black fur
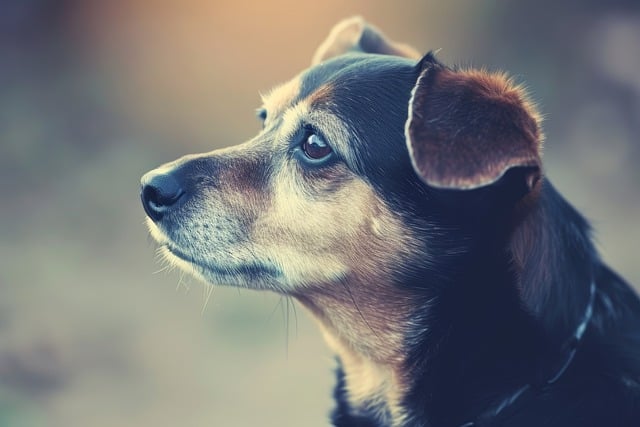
pixel 482 326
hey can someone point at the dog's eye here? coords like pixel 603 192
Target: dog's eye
pixel 315 148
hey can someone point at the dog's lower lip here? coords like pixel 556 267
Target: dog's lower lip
pixel 254 269
pixel 177 252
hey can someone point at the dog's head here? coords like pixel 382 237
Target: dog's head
pixel 340 193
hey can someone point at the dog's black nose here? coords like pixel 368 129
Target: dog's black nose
pixel 160 193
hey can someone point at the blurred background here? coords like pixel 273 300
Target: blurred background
pixel 95 93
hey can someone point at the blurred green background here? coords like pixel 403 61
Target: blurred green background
pixel 95 93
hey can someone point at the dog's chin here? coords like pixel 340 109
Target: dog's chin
pixel 246 275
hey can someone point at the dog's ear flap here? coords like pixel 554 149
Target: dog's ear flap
pixel 467 129
pixel 356 35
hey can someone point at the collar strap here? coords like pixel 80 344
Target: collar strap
pixel 572 346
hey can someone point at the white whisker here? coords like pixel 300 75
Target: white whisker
pixel 164 269
pixel 295 315
pixel 209 290
pixel 182 283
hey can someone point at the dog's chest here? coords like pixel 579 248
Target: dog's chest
pixel 371 389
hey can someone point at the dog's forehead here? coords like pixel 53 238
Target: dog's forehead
pixel 352 70
pixel 306 83
pixel 347 73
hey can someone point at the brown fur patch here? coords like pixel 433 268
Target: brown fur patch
pixel 467 128
pixel 321 96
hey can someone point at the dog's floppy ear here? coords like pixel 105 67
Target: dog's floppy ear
pixel 467 128
pixel 356 35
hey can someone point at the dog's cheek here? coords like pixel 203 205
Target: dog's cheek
pixel 298 231
pixel 320 237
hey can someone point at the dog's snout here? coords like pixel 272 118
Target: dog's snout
pixel 160 193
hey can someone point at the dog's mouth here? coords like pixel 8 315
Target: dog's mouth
pixel 178 253
pixel 252 270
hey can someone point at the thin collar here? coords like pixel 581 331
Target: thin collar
pixel 572 345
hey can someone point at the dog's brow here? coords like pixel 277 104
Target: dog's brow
pixel 281 96
pixel 288 102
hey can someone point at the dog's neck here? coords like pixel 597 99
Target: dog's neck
pixel 367 334
pixel 397 348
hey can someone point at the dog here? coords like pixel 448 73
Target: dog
pixel 403 203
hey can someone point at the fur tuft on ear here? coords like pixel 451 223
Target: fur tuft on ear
pixel 356 35
pixel 467 128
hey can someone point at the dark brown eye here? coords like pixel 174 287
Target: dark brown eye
pixel 315 148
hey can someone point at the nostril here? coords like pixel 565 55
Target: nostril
pixel 159 194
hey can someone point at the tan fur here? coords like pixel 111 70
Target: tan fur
pixel 362 314
pixel 340 250
pixel 371 385
pixel 281 97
